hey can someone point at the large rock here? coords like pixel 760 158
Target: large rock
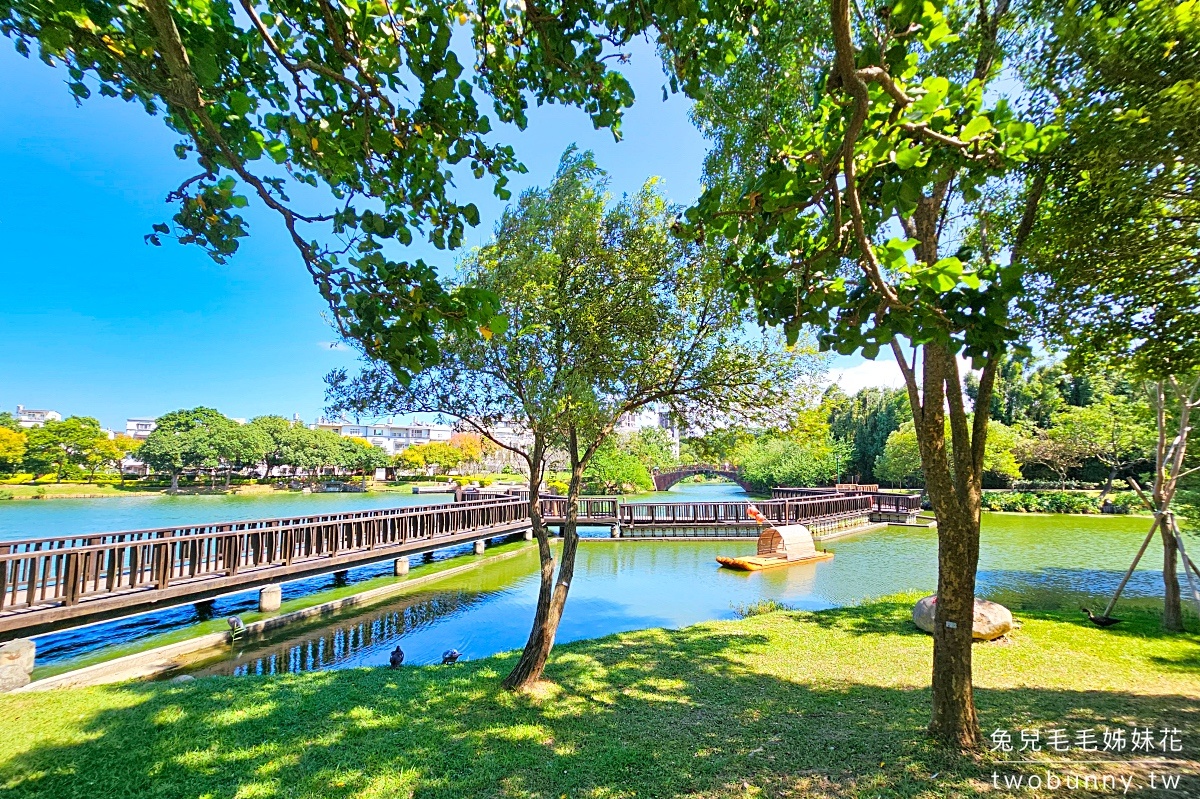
pixel 992 620
pixel 16 664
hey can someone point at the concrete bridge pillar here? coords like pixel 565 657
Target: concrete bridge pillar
pixel 614 531
pixel 529 534
pixel 270 597
pixel 400 566
pixel 16 664
pixel 479 547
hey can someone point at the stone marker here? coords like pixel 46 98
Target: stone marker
pixel 400 566
pixel 992 620
pixel 16 664
pixel 270 597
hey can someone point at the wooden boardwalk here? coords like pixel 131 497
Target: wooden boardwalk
pixel 48 584
pixel 55 583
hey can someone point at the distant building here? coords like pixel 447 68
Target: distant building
pixel 651 416
pixel 140 427
pixel 27 417
pixel 391 438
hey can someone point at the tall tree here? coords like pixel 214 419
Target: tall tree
pixel 865 209
pixel 603 313
pixel 866 420
pixel 1117 241
pixel 185 440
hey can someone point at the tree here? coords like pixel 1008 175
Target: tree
pixel 867 419
pixel 358 454
pixel 441 455
pixel 603 312
pixel 105 452
pixel 12 448
pixel 615 470
pixel 1058 449
pixel 185 440
pixel 58 445
pixel 412 458
pixel 900 460
pixel 1117 242
pixel 782 460
pixel 126 446
pixel 470 445
pixel 9 422
pixel 653 447
pixel 868 209
pixel 243 445
pixel 275 431
pixel 1116 431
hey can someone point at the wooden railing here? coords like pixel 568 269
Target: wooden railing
pixel 602 509
pixel 882 502
pixel 797 511
pixel 78 576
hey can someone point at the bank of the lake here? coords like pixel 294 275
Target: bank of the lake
pixel 832 703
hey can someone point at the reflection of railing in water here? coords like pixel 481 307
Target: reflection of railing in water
pixel 341 643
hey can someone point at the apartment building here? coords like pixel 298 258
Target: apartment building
pixel 28 417
pixel 391 438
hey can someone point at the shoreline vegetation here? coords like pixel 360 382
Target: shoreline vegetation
pixel 800 704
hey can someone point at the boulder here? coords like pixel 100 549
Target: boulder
pixel 16 664
pixel 992 620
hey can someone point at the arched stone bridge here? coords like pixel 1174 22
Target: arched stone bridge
pixel 664 480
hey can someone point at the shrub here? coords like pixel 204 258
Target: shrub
pixel 1046 502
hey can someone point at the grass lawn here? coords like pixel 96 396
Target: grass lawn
pixel 789 704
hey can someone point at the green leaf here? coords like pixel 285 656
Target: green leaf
pixel 907 156
pixel 975 127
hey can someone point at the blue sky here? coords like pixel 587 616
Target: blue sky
pixel 93 321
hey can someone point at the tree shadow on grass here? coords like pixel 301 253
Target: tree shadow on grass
pixel 658 712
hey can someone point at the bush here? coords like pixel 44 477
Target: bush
pixel 1046 502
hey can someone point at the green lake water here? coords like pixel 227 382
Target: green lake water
pixel 1025 561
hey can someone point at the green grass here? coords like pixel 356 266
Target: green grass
pixel 788 704
pixel 419 569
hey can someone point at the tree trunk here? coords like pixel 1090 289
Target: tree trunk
pixel 954 718
pixel 1108 486
pixel 552 593
pixel 174 481
pixel 955 494
pixel 1172 619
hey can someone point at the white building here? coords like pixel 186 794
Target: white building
pixel 27 417
pixel 391 438
pixel 651 416
pixel 140 427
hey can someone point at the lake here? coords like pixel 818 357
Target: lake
pixel 1041 560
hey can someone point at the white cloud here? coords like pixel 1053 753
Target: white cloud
pixel 884 373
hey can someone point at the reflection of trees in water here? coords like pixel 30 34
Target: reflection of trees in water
pixel 333 645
